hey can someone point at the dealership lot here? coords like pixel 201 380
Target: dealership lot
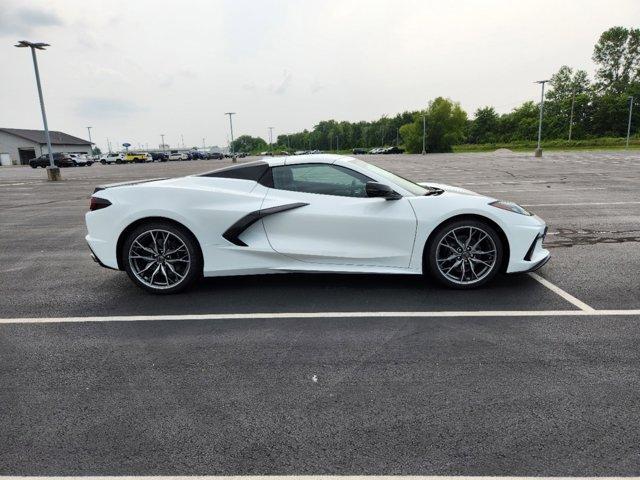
pixel 292 374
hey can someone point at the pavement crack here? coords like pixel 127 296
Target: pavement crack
pixel 568 237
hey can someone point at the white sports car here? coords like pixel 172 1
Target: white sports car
pixel 317 213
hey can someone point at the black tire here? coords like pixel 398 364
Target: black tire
pixel 33 165
pixel 460 227
pixel 118 161
pixel 103 162
pixel 194 271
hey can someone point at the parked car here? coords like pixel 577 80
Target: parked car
pixel 360 151
pixel 80 160
pixel 112 157
pixel 376 151
pixel 59 160
pixel 137 157
pixel 216 155
pixel 326 213
pixel 300 152
pixel 159 156
pixel 178 156
pixel 266 154
pixel 389 150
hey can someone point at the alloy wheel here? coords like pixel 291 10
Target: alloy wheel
pixel 465 255
pixel 159 259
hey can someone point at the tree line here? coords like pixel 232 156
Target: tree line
pixel 574 106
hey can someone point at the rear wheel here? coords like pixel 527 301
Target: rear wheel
pixel 33 165
pixel 465 254
pixel 162 258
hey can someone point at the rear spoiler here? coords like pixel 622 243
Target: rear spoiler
pixel 123 184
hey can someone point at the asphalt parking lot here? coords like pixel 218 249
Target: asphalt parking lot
pixel 328 374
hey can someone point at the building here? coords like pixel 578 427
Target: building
pixel 22 145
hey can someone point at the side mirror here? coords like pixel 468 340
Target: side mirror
pixel 375 189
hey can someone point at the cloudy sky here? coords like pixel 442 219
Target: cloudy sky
pixel 133 69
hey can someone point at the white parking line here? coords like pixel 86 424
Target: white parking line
pixel 567 296
pixel 266 316
pixel 578 204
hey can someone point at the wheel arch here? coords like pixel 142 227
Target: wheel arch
pixel 471 216
pixel 141 221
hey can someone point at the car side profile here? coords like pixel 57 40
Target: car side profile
pixel 59 160
pixel 313 213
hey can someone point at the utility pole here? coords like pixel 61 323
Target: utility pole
pixel 203 144
pixel 270 138
pixel 233 157
pixel 162 137
pixel 424 134
pixel 573 101
pixel 108 145
pixel 538 152
pixel 53 172
pixel 182 139
pixel 397 135
pixel 337 143
pixel 89 130
pixel 629 123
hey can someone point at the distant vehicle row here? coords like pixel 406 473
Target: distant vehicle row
pixel 174 155
pixel 62 160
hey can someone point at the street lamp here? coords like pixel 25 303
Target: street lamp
pixel 89 130
pixel 629 123
pixel 162 137
pixel 233 157
pixel 270 138
pixel 538 152
pixel 53 172
pixel 424 134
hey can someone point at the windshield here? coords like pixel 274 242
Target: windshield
pixel 408 185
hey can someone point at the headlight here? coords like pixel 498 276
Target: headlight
pixel 511 207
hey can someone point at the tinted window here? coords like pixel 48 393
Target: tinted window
pixel 320 178
pixel 249 171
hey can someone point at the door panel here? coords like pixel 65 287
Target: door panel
pixel 344 230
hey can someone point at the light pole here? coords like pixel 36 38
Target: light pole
pixel 233 157
pixel 337 143
pixel 629 123
pixel 108 144
pixel 203 144
pixel 573 101
pixel 270 138
pixel 53 172
pixel 89 130
pixel 162 137
pixel 424 134
pixel 538 152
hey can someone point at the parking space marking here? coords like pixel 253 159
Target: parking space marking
pixel 579 204
pixel 303 315
pixel 567 296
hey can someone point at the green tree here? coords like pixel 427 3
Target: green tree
pixel 617 55
pixel 247 143
pixel 446 123
pixel 484 126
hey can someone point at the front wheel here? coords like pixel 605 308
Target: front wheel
pixel 162 258
pixel 465 254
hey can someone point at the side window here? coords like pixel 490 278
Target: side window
pixel 320 178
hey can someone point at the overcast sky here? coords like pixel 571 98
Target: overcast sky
pixel 133 69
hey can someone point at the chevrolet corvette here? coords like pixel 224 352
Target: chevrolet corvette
pixel 312 213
